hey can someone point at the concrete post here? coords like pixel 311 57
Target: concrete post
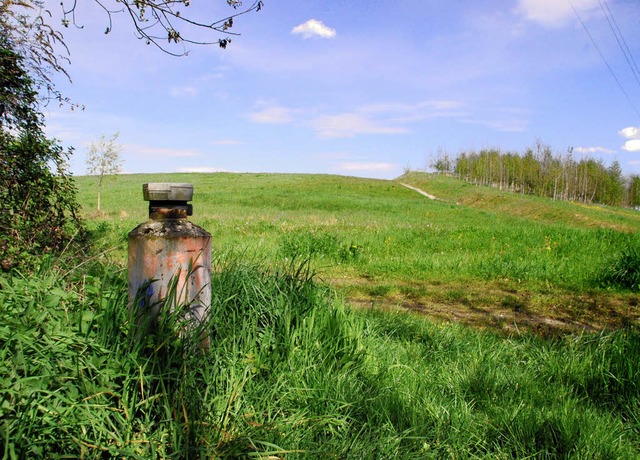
pixel 169 246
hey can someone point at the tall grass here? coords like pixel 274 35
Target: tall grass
pixel 360 231
pixel 292 373
pixel 624 271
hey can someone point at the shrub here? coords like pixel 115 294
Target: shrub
pixel 37 196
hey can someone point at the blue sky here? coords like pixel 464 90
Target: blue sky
pixel 358 87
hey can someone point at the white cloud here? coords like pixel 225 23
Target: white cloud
pixel 333 156
pixel 553 13
pixel 509 126
pixel 273 115
pixel 383 118
pixel 630 132
pixel 633 134
pixel 591 150
pixel 160 151
pixel 227 142
pixel 415 112
pixel 632 146
pixel 201 169
pixel 351 124
pixel 179 91
pixel 508 121
pixel 314 28
pixel 368 167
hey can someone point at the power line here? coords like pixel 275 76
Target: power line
pixel 622 43
pixel 584 26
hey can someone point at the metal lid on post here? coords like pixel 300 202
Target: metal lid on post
pixel 168 200
pixel 167 191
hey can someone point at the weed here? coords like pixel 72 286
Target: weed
pixel 379 290
pixel 308 244
pixel 624 272
pixel 350 252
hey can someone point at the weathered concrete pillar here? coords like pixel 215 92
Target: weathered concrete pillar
pixel 168 247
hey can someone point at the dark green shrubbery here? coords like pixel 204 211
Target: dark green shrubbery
pixel 37 203
pixel 37 195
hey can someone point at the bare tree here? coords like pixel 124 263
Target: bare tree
pixel 161 22
pixel 28 28
pixel 103 160
pixel 26 31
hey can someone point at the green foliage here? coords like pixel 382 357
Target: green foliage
pixel 17 95
pixel 37 196
pixel 37 205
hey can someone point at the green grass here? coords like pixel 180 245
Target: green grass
pixel 382 243
pixel 293 373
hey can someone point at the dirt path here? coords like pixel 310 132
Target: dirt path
pixel 421 192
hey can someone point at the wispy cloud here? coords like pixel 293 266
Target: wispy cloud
pixel 422 110
pixel 147 151
pixel 313 28
pixel 516 125
pixel 592 150
pixel 179 91
pixel 352 124
pixel 381 118
pixel 201 169
pixel 502 119
pixel 384 118
pixel 273 114
pixel 367 167
pixel 553 13
pixel 227 142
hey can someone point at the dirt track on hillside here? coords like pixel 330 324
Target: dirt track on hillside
pixel 420 191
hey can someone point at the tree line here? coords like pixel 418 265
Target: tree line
pixel 538 171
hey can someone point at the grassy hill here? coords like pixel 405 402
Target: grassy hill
pixel 293 371
pixel 476 255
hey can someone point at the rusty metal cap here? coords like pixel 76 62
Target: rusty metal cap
pixel 167 191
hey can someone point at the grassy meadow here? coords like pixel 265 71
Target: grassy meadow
pixel 475 255
pixel 351 319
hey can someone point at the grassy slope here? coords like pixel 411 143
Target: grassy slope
pixel 576 215
pixel 475 255
pixel 291 373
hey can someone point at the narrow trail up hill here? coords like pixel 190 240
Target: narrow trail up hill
pixel 421 192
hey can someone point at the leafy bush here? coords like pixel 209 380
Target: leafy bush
pixel 37 204
pixel 37 195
